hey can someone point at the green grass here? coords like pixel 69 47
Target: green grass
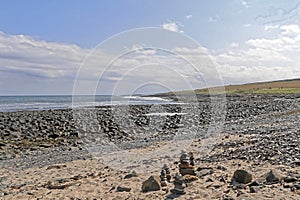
pixel 291 86
pixel 266 91
pixel 242 91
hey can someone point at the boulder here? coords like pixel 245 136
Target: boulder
pixel 242 176
pixel 151 184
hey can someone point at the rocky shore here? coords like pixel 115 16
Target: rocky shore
pixel 258 133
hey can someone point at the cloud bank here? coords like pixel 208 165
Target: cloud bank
pixel 263 59
pixel 31 66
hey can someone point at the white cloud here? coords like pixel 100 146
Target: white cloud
pixel 23 54
pixel 290 30
pixel 30 66
pixel 172 26
pixel 188 16
pixel 246 25
pixel 271 27
pixel 263 58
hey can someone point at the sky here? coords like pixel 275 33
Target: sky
pixel 63 46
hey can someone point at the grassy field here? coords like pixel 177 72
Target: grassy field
pixel 274 87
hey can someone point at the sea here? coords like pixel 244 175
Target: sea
pixel 24 103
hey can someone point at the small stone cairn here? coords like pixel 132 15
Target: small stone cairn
pixel 179 185
pixel 168 173
pixel 163 178
pixel 186 166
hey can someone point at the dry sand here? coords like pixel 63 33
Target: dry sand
pixel 90 179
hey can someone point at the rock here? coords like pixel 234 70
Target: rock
pixel 295 187
pixel 288 185
pixel 189 178
pixel 227 197
pixel 112 188
pixel 242 195
pixel 297 176
pixel 209 179
pixel 152 184
pixel 53 135
pixel 295 163
pixel 274 176
pixel 192 159
pixel 289 179
pixel 184 157
pixel 242 176
pixel 214 185
pixel 254 189
pixel 187 171
pixel 57 185
pixel 123 189
pixel 203 173
pixel 254 183
pixel 56 167
pixel 130 175
pixel 221 167
pixel 45 145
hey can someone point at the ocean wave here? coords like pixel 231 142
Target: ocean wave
pixel 146 98
pixel 164 114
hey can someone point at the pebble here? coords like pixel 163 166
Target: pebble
pixel 130 175
pixel 123 189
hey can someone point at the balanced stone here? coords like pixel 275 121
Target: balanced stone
pixel 184 157
pixel 192 159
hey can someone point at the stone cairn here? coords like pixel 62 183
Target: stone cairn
pixel 186 166
pixel 168 173
pixel 163 178
pixel 179 185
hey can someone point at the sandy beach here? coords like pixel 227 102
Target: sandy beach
pixel 50 158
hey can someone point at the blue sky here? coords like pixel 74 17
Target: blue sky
pixel 43 43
